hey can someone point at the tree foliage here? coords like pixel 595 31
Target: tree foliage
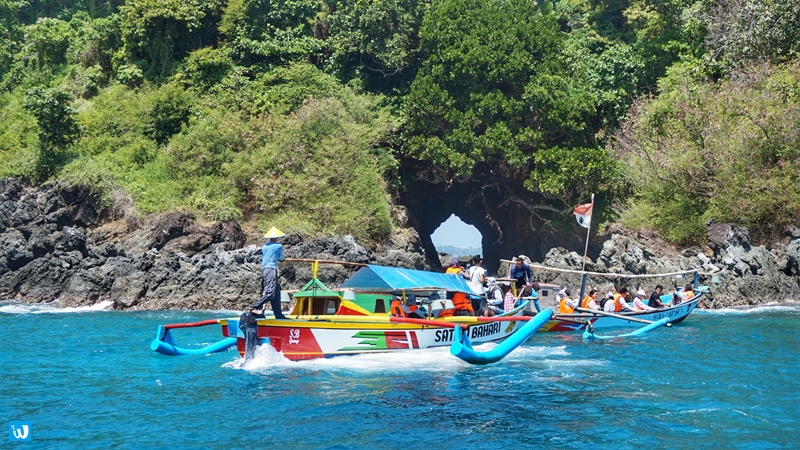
pixel 728 151
pixel 493 85
pixel 754 31
pixel 57 127
pixel 259 109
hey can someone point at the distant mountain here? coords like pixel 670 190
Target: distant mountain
pixel 459 251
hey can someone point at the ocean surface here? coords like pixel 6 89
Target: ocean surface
pixel 86 378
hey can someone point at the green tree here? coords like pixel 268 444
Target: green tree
pixel 493 87
pixel 159 33
pixel 57 127
pixel 753 30
pixel 376 41
pixel 273 32
pixel 727 151
pixel 170 109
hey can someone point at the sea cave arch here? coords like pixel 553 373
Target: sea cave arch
pixel 511 219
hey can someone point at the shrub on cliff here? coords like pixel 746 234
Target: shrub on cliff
pixel 728 150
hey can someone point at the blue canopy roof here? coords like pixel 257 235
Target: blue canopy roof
pixel 392 279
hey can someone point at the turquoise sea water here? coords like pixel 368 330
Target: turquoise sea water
pixel 84 378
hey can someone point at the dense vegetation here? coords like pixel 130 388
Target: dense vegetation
pixel 299 113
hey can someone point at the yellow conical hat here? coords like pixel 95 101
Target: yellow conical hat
pixel 274 233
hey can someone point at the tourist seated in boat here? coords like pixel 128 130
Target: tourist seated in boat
pixel 655 298
pixel 621 302
pixel 462 304
pixel 509 301
pixel 456 269
pixel 638 302
pixel 409 308
pixel 590 301
pixel 493 301
pixel 566 305
pixel 607 303
pixel 685 294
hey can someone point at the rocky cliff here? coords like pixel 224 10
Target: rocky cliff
pixel 59 242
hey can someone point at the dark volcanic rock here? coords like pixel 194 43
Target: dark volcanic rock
pixel 747 274
pixel 58 243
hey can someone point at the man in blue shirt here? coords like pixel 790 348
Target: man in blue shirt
pixel 521 273
pixel 523 279
pixel 271 253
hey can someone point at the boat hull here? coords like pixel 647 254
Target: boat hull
pixel 675 314
pixel 324 338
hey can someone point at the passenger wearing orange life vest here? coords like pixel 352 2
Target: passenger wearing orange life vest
pixel 620 303
pixel 397 308
pixel 463 305
pixel 456 269
pixel 590 301
pixel 565 304
pixel 685 294
pixel 409 309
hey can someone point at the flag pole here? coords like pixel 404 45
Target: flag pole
pixel 585 251
pixel 588 230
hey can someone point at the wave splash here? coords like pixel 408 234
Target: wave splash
pixel 53 308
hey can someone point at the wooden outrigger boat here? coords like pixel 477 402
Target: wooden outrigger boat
pixel 355 318
pixel 590 319
pixel 599 319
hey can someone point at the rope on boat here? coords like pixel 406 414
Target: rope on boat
pixel 325 261
pixel 605 274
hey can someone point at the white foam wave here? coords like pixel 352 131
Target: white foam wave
pixel 52 308
pixel 789 306
pixel 432 360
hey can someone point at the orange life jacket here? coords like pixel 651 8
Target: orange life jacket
pixel 397 308
pixel 585 302
pixel 689 295
pixel 617 304
pixel 447 313
pixel 453 270
pixel 462 302
pixel 564 308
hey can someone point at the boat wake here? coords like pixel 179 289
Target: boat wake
pixel 789 306
pixel 52 308
pixel 430 360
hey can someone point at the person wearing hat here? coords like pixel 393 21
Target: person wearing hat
pixel 638 302
pixel 455 268
pixel 523 280
pixel 565 304
pixel 494 298
pixel 271 253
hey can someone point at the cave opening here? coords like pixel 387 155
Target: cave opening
pixel 457 238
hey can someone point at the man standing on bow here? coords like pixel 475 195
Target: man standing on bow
pixel 272 252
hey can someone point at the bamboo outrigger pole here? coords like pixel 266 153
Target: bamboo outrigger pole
pixel 585 251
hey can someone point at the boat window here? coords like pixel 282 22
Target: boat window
pixel 323 306
pixel 330 306
pixel 380 306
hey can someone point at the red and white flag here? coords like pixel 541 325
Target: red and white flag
pixel 584 214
